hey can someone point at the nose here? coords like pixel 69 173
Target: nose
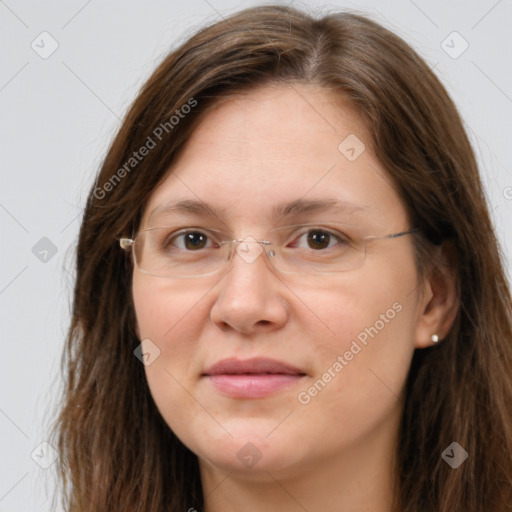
pixel 251 298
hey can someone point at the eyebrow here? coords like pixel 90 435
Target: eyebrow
pixel 306 206
pixel 296 207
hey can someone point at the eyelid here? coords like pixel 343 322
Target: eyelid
pixel 176 233
pixel 333 226
pixel 185 229
pixel 320 226
pixel 342 237
pixel 217 235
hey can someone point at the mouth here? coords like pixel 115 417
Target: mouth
pixel 252 378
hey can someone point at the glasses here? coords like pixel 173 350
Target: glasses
pixel 298 249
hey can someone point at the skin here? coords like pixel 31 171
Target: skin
pixel 275 144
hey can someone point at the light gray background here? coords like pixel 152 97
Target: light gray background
pixel 59 114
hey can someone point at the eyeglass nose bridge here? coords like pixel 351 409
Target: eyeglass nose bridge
pixel 249 253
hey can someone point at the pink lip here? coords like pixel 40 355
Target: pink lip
pixel 252 378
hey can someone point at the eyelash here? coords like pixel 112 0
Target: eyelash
pixel 340 237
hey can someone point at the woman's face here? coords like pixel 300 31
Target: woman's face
pixel 340 343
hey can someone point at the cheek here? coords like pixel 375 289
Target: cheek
pixel 360 307
pixel 166 311
pixel 363 364
pixel 173 320
pixel 364 345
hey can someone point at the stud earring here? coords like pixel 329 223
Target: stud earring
pixel 434 338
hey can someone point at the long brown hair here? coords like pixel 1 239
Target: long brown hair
pixel 116 452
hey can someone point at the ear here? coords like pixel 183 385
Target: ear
pixel 440 301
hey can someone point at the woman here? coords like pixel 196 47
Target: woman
pixel 289 295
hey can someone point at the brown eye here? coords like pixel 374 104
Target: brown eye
pixel 194 240
pixel 186 241
pixel 318 239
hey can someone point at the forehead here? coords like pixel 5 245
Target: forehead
pixel 275 145
pixel 278 124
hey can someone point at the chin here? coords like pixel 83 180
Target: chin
pixel 248 452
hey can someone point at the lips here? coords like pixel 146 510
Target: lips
pixel 257 365
pixel 252 378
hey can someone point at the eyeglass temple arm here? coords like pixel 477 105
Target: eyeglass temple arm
pixel 402 233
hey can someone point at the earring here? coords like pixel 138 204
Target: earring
pixel 434 338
